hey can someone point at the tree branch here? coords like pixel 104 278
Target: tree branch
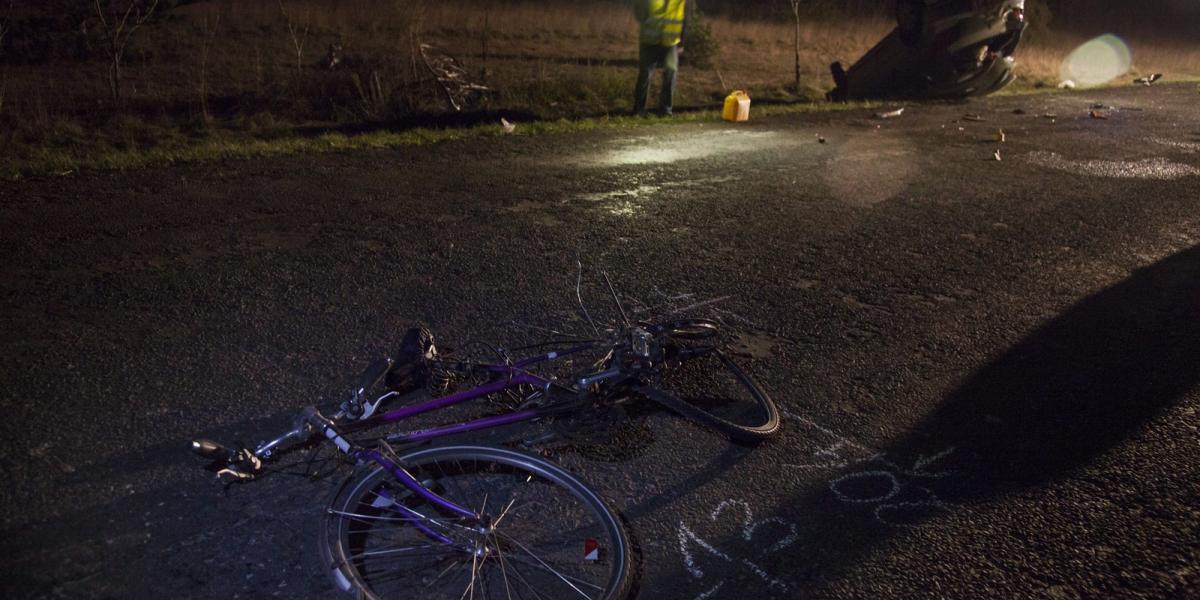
pixel 297 39
pixel 118 33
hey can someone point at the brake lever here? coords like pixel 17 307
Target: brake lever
pixel 236 476
pixel 245 466
pixel 369 408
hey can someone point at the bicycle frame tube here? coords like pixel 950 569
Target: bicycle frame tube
pixel 416 519
pixel 517 376
pixel 407 480
pixel 475 425
pixel 548 356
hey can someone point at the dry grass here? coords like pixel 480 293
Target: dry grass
pixel 544 61
pixel 1041 61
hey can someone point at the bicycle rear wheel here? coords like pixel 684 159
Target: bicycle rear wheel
pixel 707 386
pixel 551 536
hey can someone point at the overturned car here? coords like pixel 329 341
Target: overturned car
pixel 939 49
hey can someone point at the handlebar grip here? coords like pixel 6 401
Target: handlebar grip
pixel 326 427
pixel 213 451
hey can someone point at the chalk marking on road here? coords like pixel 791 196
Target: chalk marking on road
pixel 841 438
pixel 771 581
pixel 891 493
pixel 689 561
pixel 932 503
pixel 710 592
pixel 749 525
pixel 833 457
pixel 922 462
pixel 840 455
pixel 788 540
pixel 747 530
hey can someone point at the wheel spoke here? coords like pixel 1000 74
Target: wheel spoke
pixel 551 569
pixel 500 559
pixel 537 563
pixel 407 552
pixel 387 543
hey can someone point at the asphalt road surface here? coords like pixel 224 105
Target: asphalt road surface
pixel 990 369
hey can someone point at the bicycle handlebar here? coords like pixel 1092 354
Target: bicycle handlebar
pixel 243 463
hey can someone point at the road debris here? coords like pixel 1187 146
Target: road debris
pixel 1051 116
pixel 450 76
pixel 892 114
pixel 820 139
pixel 508 127
pixel 1000 136
pixel 1067 85
pixel 1018 111
pixel 1095 114
pixel 975 118
pixel 1148 80
pixel 996 155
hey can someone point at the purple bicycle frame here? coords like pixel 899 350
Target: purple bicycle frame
pixel 516 376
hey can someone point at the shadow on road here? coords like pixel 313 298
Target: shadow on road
pixel 1082 383
pixel 1079 386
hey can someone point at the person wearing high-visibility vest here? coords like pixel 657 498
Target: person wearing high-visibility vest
pixel 661 28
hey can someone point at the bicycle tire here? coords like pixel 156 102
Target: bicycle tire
pixel 360 517
pixel 686 329
pixel 749 419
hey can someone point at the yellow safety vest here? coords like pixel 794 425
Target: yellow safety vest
pixel 664 26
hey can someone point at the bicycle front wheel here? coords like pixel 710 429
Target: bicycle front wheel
pixel 549 536
pixel 710 388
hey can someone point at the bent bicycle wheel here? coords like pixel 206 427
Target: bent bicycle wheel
pixel 710 388
pixel 550 535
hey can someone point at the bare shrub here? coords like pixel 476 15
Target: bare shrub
pixel 209 32
pixel 119 20
pixel 374 100
pixel 795 5
pixel 297 31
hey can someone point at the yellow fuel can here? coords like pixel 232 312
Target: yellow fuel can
pixel 737 107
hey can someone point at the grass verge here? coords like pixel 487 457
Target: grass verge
pixel 67 159
pixel 77 154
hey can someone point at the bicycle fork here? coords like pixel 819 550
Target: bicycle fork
pixel 327 428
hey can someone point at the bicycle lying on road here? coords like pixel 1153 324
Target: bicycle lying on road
pixel 465 521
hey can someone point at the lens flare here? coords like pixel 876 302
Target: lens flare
pixel 1098 61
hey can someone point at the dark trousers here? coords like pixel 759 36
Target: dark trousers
pixel 651 57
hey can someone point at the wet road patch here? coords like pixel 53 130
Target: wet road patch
pixel 1147 168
